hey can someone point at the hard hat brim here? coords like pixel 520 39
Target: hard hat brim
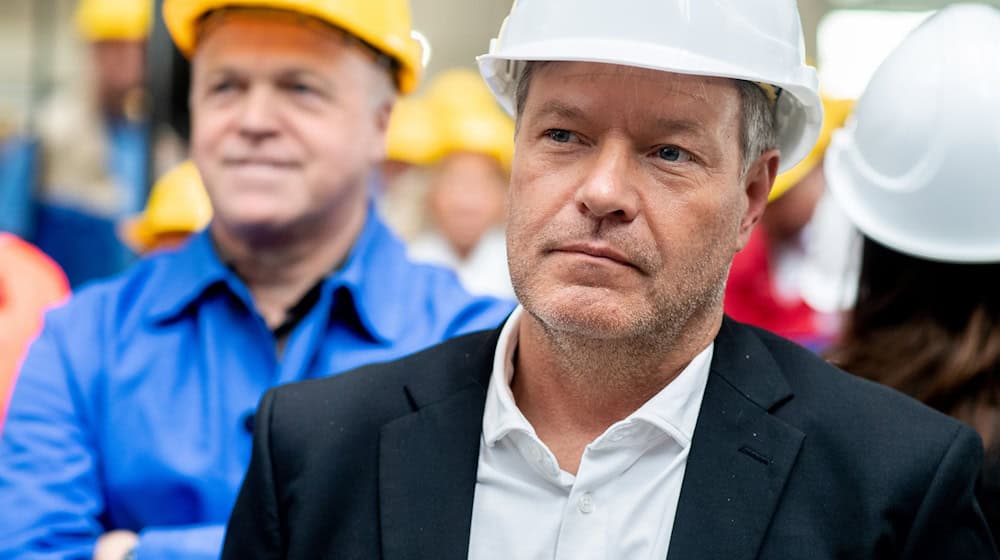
pixel 133 233
pixel 182 19
pixel 799 112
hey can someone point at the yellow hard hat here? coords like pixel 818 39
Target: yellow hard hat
pixel 460 89
pixel 114 20
pixel 383 24
pixel 177 203
pixel 483 131
pixel 835 113
pixel 414 134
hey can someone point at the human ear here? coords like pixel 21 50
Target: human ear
pixel 756 185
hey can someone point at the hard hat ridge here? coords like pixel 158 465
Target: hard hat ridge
pixel 915 168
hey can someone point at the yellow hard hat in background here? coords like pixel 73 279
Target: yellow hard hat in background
pixel 835 113
pixel 482 131
pixel 114 20
pixel 383 24
pixel 457 114
pixel 178 204
pixel 414 136
pixel 460 89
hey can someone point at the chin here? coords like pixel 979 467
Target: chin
pixel 594 313
pixel 255 224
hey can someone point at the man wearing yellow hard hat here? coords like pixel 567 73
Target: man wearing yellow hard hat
pixel 130 428
pixel 95 138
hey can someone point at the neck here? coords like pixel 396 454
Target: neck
pixel 280 267
pixel 570 384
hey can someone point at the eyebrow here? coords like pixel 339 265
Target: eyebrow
pixel 280 73
pixel 556 108
pixel 677 126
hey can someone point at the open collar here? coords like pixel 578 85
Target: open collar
pixel 370 274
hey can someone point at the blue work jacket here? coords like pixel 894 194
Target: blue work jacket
pixel 134 408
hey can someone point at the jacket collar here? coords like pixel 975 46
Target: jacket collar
pixel 741 454
pixel 428 458
pixel 188 274
pixel 746 364
pixel 740 458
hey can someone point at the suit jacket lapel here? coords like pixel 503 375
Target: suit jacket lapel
pixel 428 459
pixel 740 457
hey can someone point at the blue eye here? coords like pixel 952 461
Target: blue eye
pixel 673 154
pixel 559 135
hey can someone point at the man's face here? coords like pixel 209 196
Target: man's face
pixel 626 201
pixel 288 121
pixel 466 198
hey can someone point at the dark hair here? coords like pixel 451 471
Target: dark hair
pixel 930 329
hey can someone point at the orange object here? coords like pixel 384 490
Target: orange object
pixel 30 282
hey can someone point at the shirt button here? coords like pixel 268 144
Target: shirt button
pixel 585 503
pixel 248 421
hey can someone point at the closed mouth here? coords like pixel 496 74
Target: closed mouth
pixel 597 251
pixel 259 162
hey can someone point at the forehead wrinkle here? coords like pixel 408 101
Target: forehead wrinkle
pixel 687 123
pixel 688 85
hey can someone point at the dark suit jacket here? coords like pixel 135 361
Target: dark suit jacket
pixel 792 459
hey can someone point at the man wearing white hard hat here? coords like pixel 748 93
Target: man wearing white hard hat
pixel 131 424
pixel 618 413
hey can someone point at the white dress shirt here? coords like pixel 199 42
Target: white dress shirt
pixel 622 501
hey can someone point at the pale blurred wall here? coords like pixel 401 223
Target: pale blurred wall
pixel 32 61
pixel 459 30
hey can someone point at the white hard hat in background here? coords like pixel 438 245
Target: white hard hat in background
pixel 918 166
pixel 755 40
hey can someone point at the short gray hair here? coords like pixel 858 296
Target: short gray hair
pixel 757 131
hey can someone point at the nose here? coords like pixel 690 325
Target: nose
pixel 258 119
pixel 607 190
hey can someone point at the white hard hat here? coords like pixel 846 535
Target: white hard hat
pixel 918 166
pixel 754 40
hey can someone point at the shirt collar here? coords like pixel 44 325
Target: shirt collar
pixel 184 275
pixel 674 410
pixel 192 270
pixel 501 415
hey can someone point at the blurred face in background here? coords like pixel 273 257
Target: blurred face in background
pixel 467 198
pixel 120 68
pixel 288 121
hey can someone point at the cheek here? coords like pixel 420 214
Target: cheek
pixel 538 188
pixel 207 131
pixel 697 229
pixel 333 142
